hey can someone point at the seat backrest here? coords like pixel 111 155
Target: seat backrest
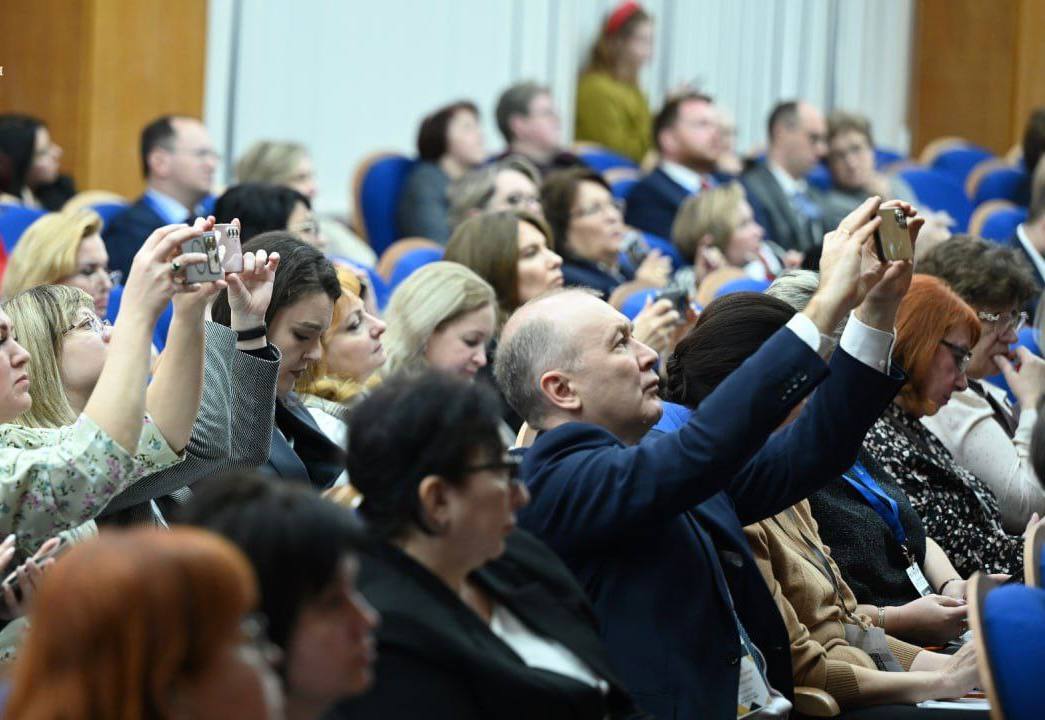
pixel 1006 623
pixel 394 253
pixel 91 198
pixel 744 284
pixel 958 162
pixel 411 261
pixel 996 220
pixel 377 185
pixel 601 159
pixel 997 180
pixel 938 191
pixel 622 188
pixel 884 157
pixel 939 145
pixel 1033 557
pixel 14 220
pixel 163 323
pixel 819 177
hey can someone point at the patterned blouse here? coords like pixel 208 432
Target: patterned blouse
pixel 55 479
pixel 958 509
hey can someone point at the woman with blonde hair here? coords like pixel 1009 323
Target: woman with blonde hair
pixel 352 353
pixel 612 110
pixel 159 629
pixel 288 163
pixel 442 316
pixel 63 248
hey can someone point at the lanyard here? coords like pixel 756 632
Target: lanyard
pixel 872 493
pixel 821 563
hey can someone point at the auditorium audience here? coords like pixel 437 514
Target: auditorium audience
pixel 717 228
pixel 875 544
pixel 936 332
pixel 1030 234
pixel 792 211
pixel 648 527
pixel 507 184
pixel 449 144
pixel 832 639
pixel 851 160
pixel 529 121
pixel 60 477
pixel 29 165
pixel 147 625
pixel 351 355
pixel 588 226
pixel 612 110
pixel 479 619
pixel 303 293
pixel 262 208
pixel 979 427
pixel 304 551
pixel 686 135
pixel 63 248
pixel 281 162
pixel 178 163
pixel 68 344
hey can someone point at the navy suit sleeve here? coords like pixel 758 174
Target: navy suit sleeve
pixel 820 444
pixel 650 210
pixel 587 489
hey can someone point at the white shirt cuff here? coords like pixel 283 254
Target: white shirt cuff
pixel 869 345
pixel 806 331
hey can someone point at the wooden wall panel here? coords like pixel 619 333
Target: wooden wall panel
pixel 1030 64
pixel 96 71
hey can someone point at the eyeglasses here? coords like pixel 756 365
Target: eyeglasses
pixel 962 355
pixel 522 200
pixel 91 323
pixel 599 207
pixel 509 464
pixel 199 153
pixel 307 227
pixel 1004 321
pixel 95 272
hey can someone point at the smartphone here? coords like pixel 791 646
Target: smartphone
pixel 230 252
pixel 636 249
pixel 12 579
pixel 892 240
pixel 210 270
pixel 679 299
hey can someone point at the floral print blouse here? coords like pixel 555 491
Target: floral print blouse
pixel 55 479
pixel 958 509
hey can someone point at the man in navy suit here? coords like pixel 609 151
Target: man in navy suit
pixel 1030 235
pixel 649 527
pixel 686 133
pixel 178 162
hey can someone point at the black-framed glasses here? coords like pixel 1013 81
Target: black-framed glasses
pixel 509 463
pixel 962 355
pixel 1004 321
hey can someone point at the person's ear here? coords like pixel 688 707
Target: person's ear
pixel 515 123
pixel 433 494
pixel 159 162
pixel 559 390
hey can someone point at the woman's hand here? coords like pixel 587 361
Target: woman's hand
pixel 959 674
pixel 655 270
pixel 655 325
pixel 157 273
pixel 929 620
pixel 709 259
pixel 251 290
pixel 194 304
pixel 27 577
pixel 1027 383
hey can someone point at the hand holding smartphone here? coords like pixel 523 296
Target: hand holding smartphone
pixel 892 239
pixel 223 250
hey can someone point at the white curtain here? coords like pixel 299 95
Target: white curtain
pixel 350 77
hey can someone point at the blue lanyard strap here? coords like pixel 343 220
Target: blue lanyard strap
pixel 872 493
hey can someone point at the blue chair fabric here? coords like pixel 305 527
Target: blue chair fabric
pixel 1002 224
pixel 379 198
pixel 820 177
pixel 107 211
pixel 411 261
pixel 1004 183
pixel 883 157
pixel 622 188
pixel 636 301
pixel 163 324
pixel 14 219
pixel 1013 623
pixel 603 159
pixel 742 285
pixel 958 162
pixel 939 191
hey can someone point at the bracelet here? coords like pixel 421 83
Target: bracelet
pixel 881 618
pixel 251 334
pixel 948 582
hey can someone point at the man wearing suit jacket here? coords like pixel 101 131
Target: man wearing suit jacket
pixel 178 162
pixel 686 133
pixel 791 211
pixel 647 526
pixel 1030 235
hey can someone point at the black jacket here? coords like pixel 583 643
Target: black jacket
pixel 437 659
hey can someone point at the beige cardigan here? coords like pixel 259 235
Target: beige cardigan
pixel 812 610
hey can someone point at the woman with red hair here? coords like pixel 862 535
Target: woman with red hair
pixel 149 626
pixel 935 333
pixel 612 110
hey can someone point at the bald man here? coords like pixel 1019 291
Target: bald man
pixel 650 527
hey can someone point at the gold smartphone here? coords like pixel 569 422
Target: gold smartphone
pixel 892 240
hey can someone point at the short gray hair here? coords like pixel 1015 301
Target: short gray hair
pixel 515 101
pixel 796 288
pixel 474 190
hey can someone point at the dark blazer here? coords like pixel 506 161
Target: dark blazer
pixel 125 233
pixel 437 659
pixel 582 273
pixel 773 211
pixel 313 459
pixel 653 203
pixel 1032 304
pixel 654 531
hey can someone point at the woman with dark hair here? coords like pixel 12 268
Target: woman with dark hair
pixel 835 643
pixel 160 628
pixel 479 619
pixel 304 553
pixel 263 208
pixel 29 165
pixel 449 144
pixel 299 312
pixel 611 108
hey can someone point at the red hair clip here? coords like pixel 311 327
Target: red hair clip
pixel 621 15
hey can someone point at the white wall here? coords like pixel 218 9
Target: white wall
pixel 349 77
